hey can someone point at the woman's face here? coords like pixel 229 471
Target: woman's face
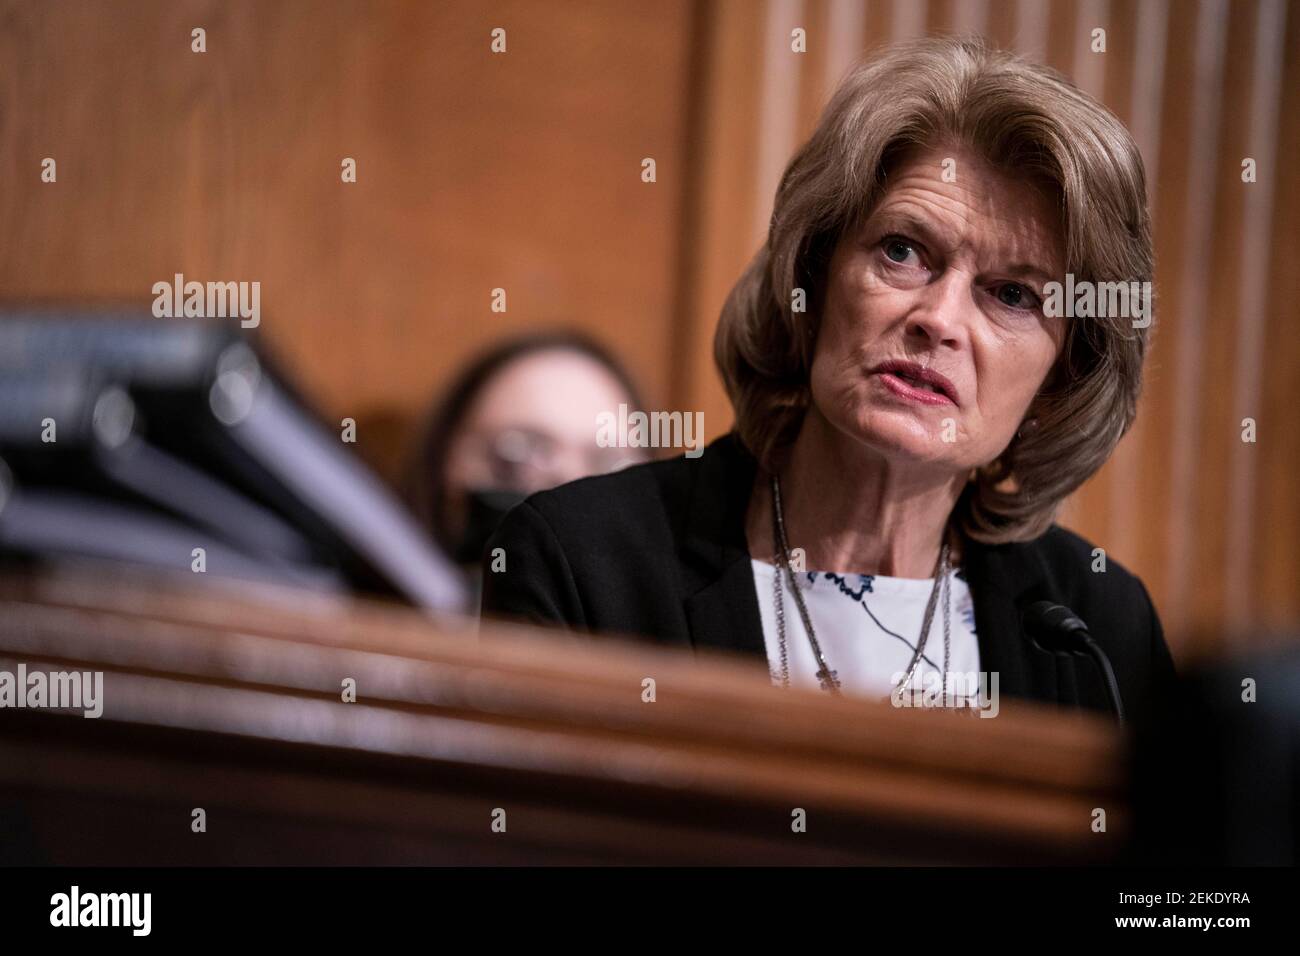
pixel 533 426
pixel 932 341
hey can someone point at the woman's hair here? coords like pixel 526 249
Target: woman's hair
pixel 425 482
pixel 1021 117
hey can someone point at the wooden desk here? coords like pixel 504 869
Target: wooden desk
pixel 231 701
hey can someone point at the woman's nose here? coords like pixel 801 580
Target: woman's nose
pixel 941 312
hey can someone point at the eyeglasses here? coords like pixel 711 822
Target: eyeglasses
pixel 531 460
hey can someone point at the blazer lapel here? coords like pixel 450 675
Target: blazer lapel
pixel 720 602
pixel 1002 579
pixel 724 615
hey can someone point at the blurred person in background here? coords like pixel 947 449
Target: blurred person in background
pixel 520 418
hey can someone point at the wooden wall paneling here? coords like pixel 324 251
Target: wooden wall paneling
pixel 1200 575
pixel 1240 612
pixel 1033 19
pixel 908 18
pixel 718 238
pixel 1002 24
pixel 1185 466
pixel 1275 529
pixel 815 17
pixel 1137 91
pixel 475 171
pixel 1069 51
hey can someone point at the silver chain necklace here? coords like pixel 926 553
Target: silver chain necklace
pixel 828 678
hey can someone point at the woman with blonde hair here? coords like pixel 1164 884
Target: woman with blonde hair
pixel 909 413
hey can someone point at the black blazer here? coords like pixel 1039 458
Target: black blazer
pixel 659 551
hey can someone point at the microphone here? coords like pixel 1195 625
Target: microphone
pixel 1056 629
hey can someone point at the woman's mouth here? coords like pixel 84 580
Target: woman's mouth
pixel 911 381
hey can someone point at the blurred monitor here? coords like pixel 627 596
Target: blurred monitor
pixel 135 440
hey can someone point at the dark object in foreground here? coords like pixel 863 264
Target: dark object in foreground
pixel 177 445
pixel 1216 776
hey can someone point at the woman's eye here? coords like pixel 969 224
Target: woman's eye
pixel 898 250
pixel 1016 296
